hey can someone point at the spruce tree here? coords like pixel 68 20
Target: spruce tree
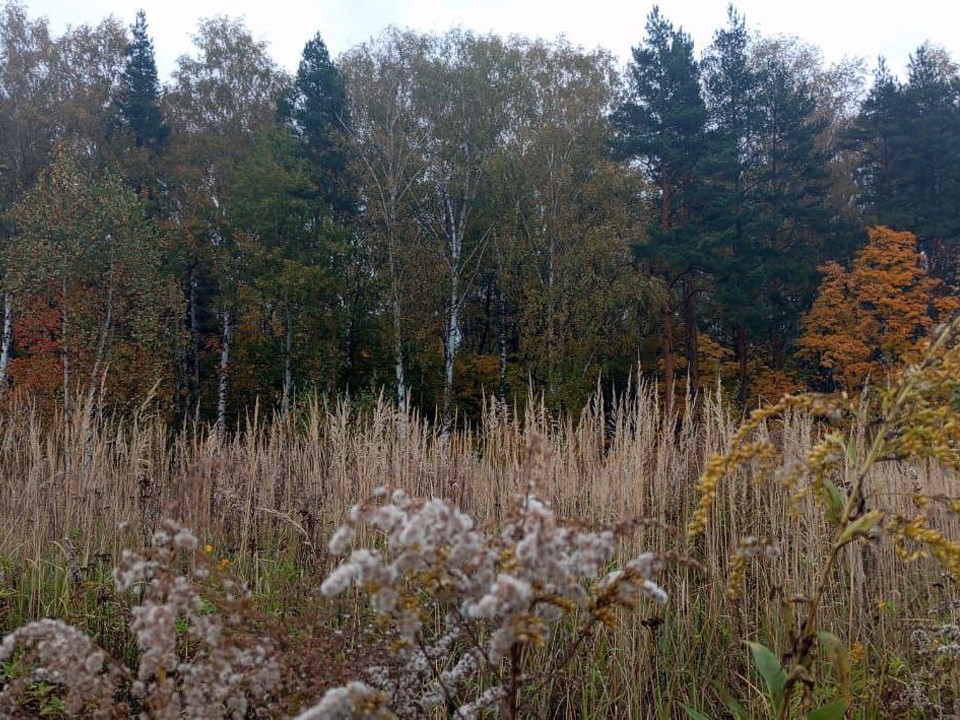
pixel 138 102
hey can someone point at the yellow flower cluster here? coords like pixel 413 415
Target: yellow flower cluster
pixel 760 451
pixel 856 653
pixel 718 467
pixel 946 551
pixel 738 569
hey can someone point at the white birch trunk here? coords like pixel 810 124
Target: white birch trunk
pixel 6 348
pixel 398 357
pixel 502 345
pixel 454 338
pixel 194 379
pixel 287 363
pixel 399 367
pixel 223 376
pixel 65 359
pixel 64 348
pixel 455 227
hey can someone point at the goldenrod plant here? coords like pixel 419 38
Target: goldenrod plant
pixel 915 419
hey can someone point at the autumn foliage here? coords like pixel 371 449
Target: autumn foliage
pixel 873 317
pixel 443 218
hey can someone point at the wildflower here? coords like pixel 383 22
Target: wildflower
pixel 451 593
pixel 356 699
pixel 184 539
pixel 341 540
pixel 856 653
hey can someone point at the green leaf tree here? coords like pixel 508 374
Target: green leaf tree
pixel 561 211
pixel 222 97
pixel 87 248
pixel 287 253
pixel 25 55
pixel 387 146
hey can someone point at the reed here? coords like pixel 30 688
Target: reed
pixel 77 491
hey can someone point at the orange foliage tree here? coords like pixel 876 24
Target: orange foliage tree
pixel 870 318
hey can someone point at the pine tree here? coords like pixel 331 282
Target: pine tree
pixel 768 217
pixel 908 140
pixel 662 124
pixel 316 110
pixel 138 102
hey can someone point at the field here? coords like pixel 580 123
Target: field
pixel 264 502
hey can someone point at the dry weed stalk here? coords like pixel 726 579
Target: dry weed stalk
pixel 917 418
pixel 192 661
pixel 468 606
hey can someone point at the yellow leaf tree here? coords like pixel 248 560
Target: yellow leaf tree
pixel 871 318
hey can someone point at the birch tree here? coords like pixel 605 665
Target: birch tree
pixel 462 100
pixel 25 55
pixel 565 204
pixel 87 249
pixel 52 90
pixel 388 143
pixel 221 97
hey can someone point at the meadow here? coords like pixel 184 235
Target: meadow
pixel 823 502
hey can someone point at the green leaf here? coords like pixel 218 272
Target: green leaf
pixel 695 714
pixel 835 651
pixel 861 525
pixel 769 668
pixel 834 501
pixel 852 454
pixel 834 711
pixel 736 709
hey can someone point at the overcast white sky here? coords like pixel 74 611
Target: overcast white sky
pixel 839 27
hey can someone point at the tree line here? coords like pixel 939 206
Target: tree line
pixel 459 217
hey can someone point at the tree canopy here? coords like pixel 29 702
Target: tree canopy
pixel 456 217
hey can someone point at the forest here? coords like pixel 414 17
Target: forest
pixel 455 218
pixel 465 376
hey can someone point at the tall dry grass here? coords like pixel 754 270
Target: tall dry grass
pixel 279 486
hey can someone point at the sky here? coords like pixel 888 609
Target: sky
pixel 841 28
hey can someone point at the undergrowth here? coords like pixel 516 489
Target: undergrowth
pixel 816 576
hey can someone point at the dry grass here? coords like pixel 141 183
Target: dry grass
pixel 269 497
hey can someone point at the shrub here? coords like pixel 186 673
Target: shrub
pixel 468 609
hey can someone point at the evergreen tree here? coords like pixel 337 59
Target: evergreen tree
pixel 138 102
pixel 789 186
pixel 731 86
pixel 908 141
pixel 768 218
pixel 662 124
pixel 315 108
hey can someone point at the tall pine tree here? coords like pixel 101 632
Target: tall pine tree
pixel 662 124
pixel 908 141
pixel 315 108
pixel 138 102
